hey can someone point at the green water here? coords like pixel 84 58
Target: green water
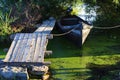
pixel 70 63
pixel 2 46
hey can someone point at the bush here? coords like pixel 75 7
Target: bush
pixel 5 28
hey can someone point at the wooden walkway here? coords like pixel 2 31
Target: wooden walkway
pixel 46 27
pixel 30 48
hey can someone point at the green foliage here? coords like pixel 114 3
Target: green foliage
pixel 5 28
pixel 116 1
pixel 108 12
pixel 31 12
pixel 55 8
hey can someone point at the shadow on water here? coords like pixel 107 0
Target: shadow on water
pixel 104 72
pixel 68 71
pixel 77 73
pixel 63 48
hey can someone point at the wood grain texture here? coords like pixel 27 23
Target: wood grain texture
pixel 38 42
pixel 27 48
pixel 42 49
pixel 16 49
pixel 23 64
pixel 11 49
pixel 42 27
pixel 22 48
pixel 30 47
pixel 49 27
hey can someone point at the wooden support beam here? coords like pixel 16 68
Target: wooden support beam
pixel 24 63
pixel 48 52
pixel 50 36
pixel 5 50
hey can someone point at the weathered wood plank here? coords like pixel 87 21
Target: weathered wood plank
pixel 42 27
pixel 37 48
pixel 49 28
pixel 42 49
pixel 22 48
pixel 27 48
pixel 49 36
pixel 32 48
pixel 11 49
pixel 16 48
pixel 48 52
pixel 24 63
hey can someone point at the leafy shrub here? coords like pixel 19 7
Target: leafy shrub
pixel 5 28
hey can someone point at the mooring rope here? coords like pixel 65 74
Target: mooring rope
pixel 62 34
pixel 106 27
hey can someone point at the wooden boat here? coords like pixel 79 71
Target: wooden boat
pixel 79 29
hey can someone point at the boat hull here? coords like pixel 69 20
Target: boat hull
pixel 79 30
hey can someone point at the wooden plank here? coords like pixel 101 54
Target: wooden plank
pixel 44 41
pixel 42 49
pixel 23 64
pixel 21 48
pixel 49 36
pixel 11 49
pixel 27 48
pixel 32 48
pixel 48 52
pixel 35 58
pixel 42 27
pixel 49 28
pixel 16 48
